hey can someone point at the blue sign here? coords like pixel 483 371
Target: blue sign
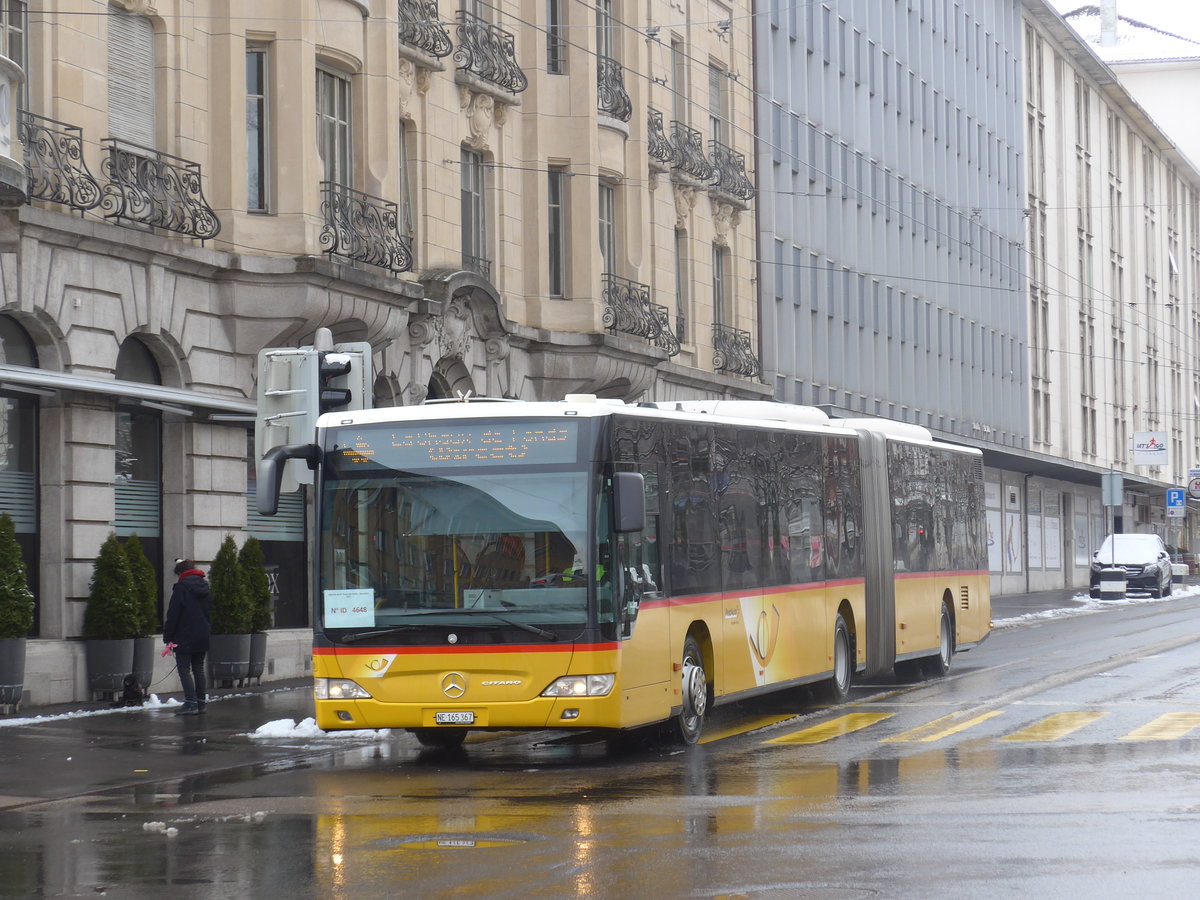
pixel 1176 498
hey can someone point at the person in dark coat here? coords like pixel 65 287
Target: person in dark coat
pixel 188 626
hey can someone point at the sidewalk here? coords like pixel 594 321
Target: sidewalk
pixel 82 748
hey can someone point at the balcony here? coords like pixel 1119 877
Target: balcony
pixel 54 163
pixel 687 153
pixel 477 264
pixel 421 28
pixel 612 100
pixel 363 228
pixel 488 52
pixel 732 353
pixel 658 145
pixel 730 172
pixel 628 310
pixel 155 189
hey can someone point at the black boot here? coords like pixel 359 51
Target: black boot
pixel 189 708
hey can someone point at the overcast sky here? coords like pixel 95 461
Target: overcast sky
pixel 1180 17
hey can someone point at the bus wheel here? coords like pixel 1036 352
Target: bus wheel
pixel 690 721
pixel 837 689
pixel 440 738
pixel 939 665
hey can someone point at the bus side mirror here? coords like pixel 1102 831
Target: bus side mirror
pixel 269 474
pixel 629 502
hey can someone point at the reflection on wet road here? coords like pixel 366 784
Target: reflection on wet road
pixel 1058 758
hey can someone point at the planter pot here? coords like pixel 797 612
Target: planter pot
pixel 144 650
pixel 228 658
pixel 258 655
pixel 12 671
pixel 108 662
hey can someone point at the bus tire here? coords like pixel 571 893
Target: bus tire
pixel 440 738
pixel 690 721
pixel 938 665
pixel 837 688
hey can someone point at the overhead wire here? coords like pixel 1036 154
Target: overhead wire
pixel 896 206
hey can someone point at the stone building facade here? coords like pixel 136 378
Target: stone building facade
pixel 518 200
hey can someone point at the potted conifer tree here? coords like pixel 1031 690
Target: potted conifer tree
pixel 16 615
pixel 145 591
pixel 111 620
pixel 253 568
pixel 229 647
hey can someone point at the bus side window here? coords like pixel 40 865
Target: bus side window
pixel 637 552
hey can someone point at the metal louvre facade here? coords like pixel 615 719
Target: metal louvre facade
pixel 891 190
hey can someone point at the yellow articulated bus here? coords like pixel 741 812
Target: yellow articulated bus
pixel 590 564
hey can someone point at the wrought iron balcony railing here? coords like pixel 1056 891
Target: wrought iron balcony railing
pixel 421 28
pixel 732 353
pixel 613 100
pixel 54 163
pixel 688 152
pixel 489 52
pixel 730 168
pixel 155 189
pixel 669 338
pixel 628 310
pixel 658 145
pixel 478 264
pixel 363 228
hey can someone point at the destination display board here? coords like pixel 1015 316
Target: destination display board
pixel 431 446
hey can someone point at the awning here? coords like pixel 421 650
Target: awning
pixel 44 382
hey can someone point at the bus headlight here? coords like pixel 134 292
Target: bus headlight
pixel 338 689
pixel 581 686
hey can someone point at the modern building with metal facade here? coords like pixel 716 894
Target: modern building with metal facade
pixel 890 211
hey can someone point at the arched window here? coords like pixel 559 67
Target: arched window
pixel 138 477
pixel 19 453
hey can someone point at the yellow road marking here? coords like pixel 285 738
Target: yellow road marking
pixel 1166 727
pixel 940 728
pixel 1054 727
pixel 831 729
pixel 743 727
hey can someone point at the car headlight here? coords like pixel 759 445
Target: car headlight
pixel 581 686
pixel 339 689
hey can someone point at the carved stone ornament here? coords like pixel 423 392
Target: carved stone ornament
pixel 725 218
pixel 685 202
pixel 481 113
pixel 422 331
pixel 456 330
pixel 496 349
pixel 137 7
pixel 406 83
pixel 415 394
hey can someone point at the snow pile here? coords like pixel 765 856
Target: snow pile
pixel 1086 605
pixel 306 729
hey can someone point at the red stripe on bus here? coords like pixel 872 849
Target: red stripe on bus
pixel 468 648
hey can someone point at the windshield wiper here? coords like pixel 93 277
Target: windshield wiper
pixel 525 626
pixel 364 635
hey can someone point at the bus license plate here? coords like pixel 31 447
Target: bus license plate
pixel 454 718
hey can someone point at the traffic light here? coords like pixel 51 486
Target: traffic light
pixel 344 378
pixel 298 384
pixel 331 394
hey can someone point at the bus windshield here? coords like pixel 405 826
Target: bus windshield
pixel 482 546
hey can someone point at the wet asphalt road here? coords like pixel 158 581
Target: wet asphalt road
pixel 1059 758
